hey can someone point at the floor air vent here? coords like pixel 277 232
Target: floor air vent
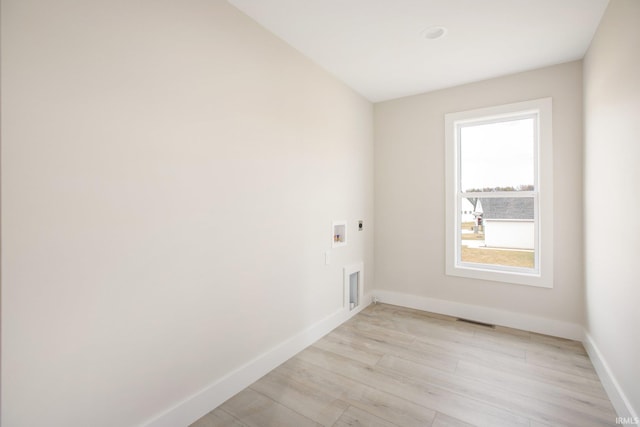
pixel 473 322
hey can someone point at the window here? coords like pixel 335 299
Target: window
pixel 499 169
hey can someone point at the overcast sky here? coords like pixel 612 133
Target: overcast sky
pixel 497 154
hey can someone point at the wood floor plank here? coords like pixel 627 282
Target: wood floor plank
pixel 407 351
pixel 256 410
pixel 218 418
pixel 558 342
pixel 539 424
pixel 475 344
pixel 530 340
pixel 354 417
pixel 518 366
pixel 576 364
pixel 459 349
pixel 527 405
pixel 396 311
pixel 574 399
pixel 306 400
pixel 390 366
pixel 443 420
pixel 416 325
pixel 379 403
pixel 509 339
pixel 359 327
pixel 415 390
pixel 348 347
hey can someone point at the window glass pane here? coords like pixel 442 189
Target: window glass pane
pixel 501 231
pixel 497 156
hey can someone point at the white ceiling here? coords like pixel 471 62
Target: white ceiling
pixel 378 47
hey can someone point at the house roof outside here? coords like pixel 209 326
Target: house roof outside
pixel 507 208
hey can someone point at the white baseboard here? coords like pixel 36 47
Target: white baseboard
pixel 527 322
pixel 199 404
pixel 618 398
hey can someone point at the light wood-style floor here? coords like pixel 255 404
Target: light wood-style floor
pixel 395 367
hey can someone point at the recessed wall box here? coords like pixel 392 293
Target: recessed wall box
pixel 339 234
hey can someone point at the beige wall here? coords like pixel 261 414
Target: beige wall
pixel 409 202
pixel 612 212
pixel 170 172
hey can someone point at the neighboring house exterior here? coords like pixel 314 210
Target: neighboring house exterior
pixel 467 212
pixel 508 222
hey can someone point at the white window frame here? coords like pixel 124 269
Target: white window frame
pixel 542 274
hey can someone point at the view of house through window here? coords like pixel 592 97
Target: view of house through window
pixel 499 186
pixel 497 194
